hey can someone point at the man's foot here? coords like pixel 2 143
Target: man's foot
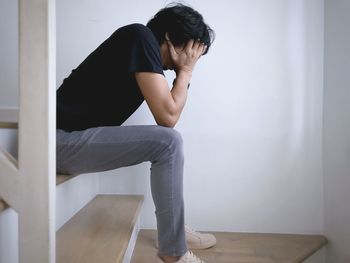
pixel 189 257
pixel 197 240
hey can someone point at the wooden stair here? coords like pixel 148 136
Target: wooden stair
pixel 105 230
pixel 12 123
pixel 8 125
pixel 99 232
pixel 241 248
pixel 60 178
pixel 3 205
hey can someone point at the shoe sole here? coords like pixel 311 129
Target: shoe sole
pixel 202 246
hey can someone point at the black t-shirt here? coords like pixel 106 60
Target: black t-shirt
pixel 102 90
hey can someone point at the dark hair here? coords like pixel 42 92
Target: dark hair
pixel 182 23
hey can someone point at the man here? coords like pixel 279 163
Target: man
pixel 108 86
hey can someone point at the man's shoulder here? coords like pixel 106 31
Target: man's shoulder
pixel 136 29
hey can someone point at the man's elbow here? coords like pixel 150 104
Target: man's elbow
pixel 167 121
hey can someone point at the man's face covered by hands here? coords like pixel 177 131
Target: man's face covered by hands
pixel 182 57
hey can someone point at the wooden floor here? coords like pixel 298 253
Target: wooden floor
pixel 99 232
pixel 241 248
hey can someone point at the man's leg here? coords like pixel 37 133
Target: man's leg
pixel 106 148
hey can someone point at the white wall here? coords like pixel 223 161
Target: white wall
pixel 252 124
pixel 337 130
pixel 9 53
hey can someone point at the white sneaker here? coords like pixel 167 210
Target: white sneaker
pixel 196 240
pixel 189 257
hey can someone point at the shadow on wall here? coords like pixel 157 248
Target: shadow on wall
pixel 301 66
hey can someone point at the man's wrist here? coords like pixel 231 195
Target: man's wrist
pixel 188 84
pixel 184 75
pixel 183 79
pixel 184 71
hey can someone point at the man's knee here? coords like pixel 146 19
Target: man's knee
pixel 171 138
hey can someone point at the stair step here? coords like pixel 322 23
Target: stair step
pixel 241 247
pixel 8 125
pixel 9 121
pixel 60 178
pixel 99 232
pixel 3 205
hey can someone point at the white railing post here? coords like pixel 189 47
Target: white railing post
pixel 37 126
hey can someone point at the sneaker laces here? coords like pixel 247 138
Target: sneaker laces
pixel 193 258
pixel 190 230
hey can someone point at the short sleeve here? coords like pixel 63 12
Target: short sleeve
pixel 144 51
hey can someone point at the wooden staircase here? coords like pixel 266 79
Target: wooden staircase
pixel 105 230
pixel 100 232
pixel 241 248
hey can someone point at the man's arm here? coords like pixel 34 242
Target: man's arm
pixel 165 105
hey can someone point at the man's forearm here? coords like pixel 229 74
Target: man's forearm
pixel 179 90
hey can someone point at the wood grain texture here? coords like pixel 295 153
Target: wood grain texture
pixel 241 248
pixel 100 232
pixel 60 178
pixel 3 205
pixel 8 125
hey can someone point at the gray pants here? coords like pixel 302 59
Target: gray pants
pixel 106 148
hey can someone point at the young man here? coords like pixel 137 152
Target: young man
pixel 108 86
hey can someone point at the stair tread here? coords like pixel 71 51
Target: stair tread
pixel 60 178
pixel 8 125
pixel 99 232
pixel 3 205
pixel 236 247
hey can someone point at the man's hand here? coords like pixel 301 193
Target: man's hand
pixel 186 59
pixel 166 105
